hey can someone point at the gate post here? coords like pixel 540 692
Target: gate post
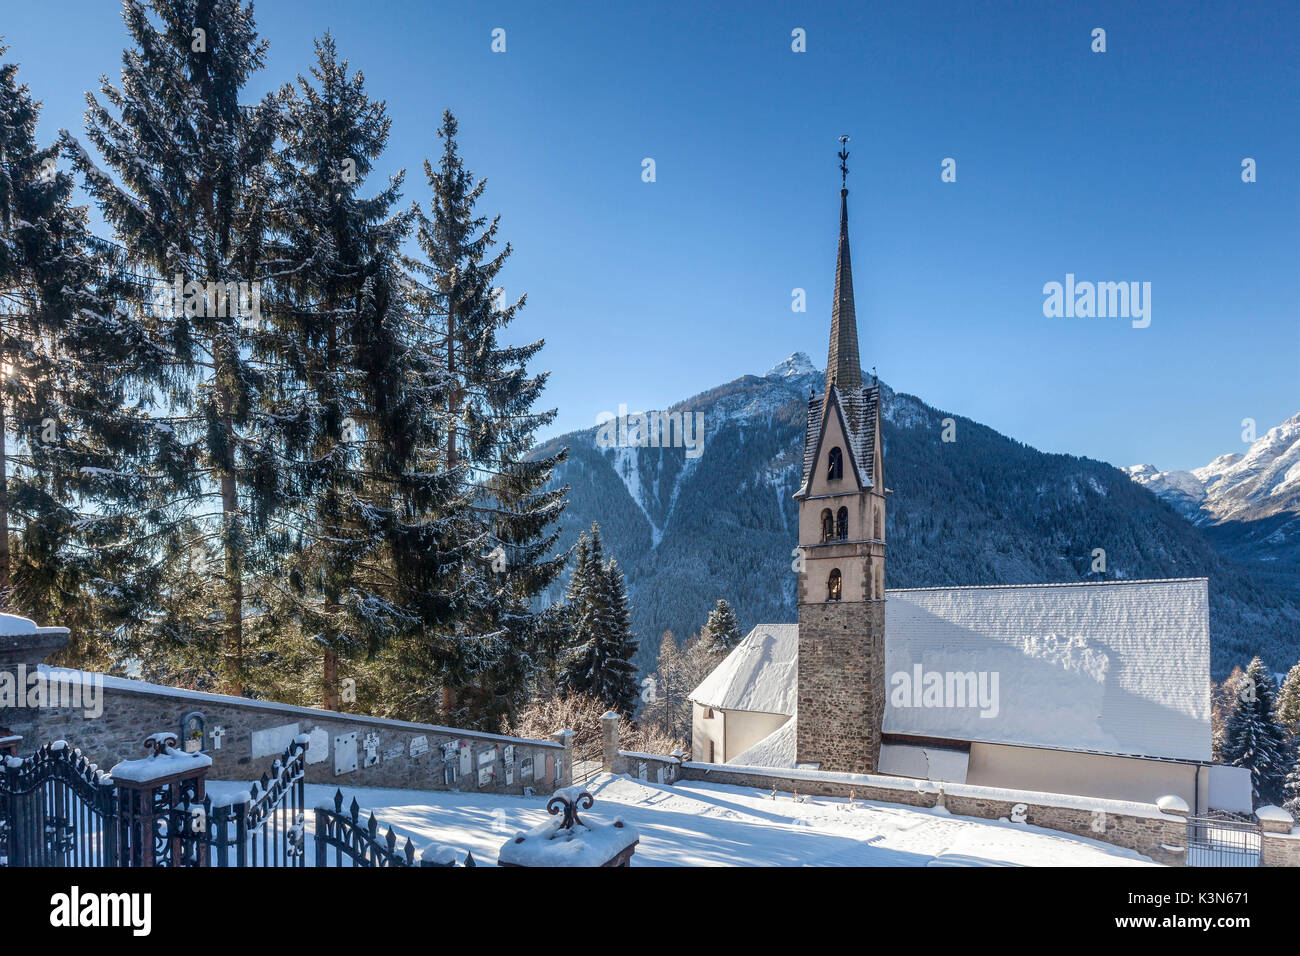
pixel 612 762
pixel 152 795
pixel 564 768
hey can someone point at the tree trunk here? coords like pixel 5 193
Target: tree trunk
pixel 232 677
pixel 330 680
pixel 4 513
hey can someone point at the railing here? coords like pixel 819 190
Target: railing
pixel 358 844
pixel 1216 841
pixel 57 809
pixel 267 828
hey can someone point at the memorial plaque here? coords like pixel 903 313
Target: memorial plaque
pixel 392 753
pixel 449 749
pixel 466 760
pixel 345 753
pixel 526 769
pixel 318 745
pixel 371 744
pixel 419 746
pixel 485 776
pixel 272 741
pixel 487 757
pixel 508 755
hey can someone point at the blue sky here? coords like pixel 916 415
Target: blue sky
pixel 1115 166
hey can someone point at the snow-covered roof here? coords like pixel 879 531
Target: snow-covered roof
pixel 12 625
pixel 760 674
pixel 1118 667
pixel 857 409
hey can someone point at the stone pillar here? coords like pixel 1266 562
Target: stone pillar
pixel 168 786
pixel 1278 846
pixel 564 774
pixel 612 762
pixel 23 648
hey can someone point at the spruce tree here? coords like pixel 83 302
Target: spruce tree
pixel 364 392
pixel 486 663
pixel 722 631
pixel 1288 704
pixel 1253 738
pixel 188 197
pixel 72 444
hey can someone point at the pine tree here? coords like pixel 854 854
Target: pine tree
pixel 599 660
pixel 1253 738
pixel 363 393
pixel 190 199
pixel 1288 703
pixel 71 444
pixel 488 440
pixel 671 681
pixel 722 631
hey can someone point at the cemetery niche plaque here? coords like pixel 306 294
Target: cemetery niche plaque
pixel 193 728
pixel 466 760
pixel 526 769
pixel 419 746
pixel 370 742
pixel 345 753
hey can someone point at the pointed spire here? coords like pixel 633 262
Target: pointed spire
pixel 842 364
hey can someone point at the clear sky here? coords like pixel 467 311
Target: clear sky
pixel 1115 166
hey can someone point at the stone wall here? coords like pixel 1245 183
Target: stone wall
pixel 1144 828
pixel 244 736
pixel 654 768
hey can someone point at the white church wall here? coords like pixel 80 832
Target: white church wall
pixel 1093 775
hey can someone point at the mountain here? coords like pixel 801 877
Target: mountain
pixel 1247 505
pixel 688 528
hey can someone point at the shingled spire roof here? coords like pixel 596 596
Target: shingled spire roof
pixel 859 405
pixel 842 364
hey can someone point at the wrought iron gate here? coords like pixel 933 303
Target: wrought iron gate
pixel 57 809
pixel 1213 841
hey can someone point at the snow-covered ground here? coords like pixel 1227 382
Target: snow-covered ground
pixel 701 824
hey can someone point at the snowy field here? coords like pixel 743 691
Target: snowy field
pixel 701 824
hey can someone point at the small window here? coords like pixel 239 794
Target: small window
pixel 880 526
pixel 708 713
pixel 842 524
pixel 828 525
pixel 836 470
pixel 833 586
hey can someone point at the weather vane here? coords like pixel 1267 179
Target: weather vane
pixel 844 158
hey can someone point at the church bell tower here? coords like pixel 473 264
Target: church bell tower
pixel 842 548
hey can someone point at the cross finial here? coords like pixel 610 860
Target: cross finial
pixel 844 158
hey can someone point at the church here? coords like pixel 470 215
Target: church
pixel 1099 688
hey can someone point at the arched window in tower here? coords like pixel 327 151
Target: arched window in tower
pixel 842 524
pixel 833 586
pixel 880 526
pixel 835 471
pixel 828 525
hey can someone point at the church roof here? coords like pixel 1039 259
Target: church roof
pixel 760 674
pixel 1117 667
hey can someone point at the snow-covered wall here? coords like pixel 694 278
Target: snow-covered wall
pixel 244 736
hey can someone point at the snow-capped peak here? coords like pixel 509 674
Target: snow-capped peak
pixel 1263 481
pixel 797 363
